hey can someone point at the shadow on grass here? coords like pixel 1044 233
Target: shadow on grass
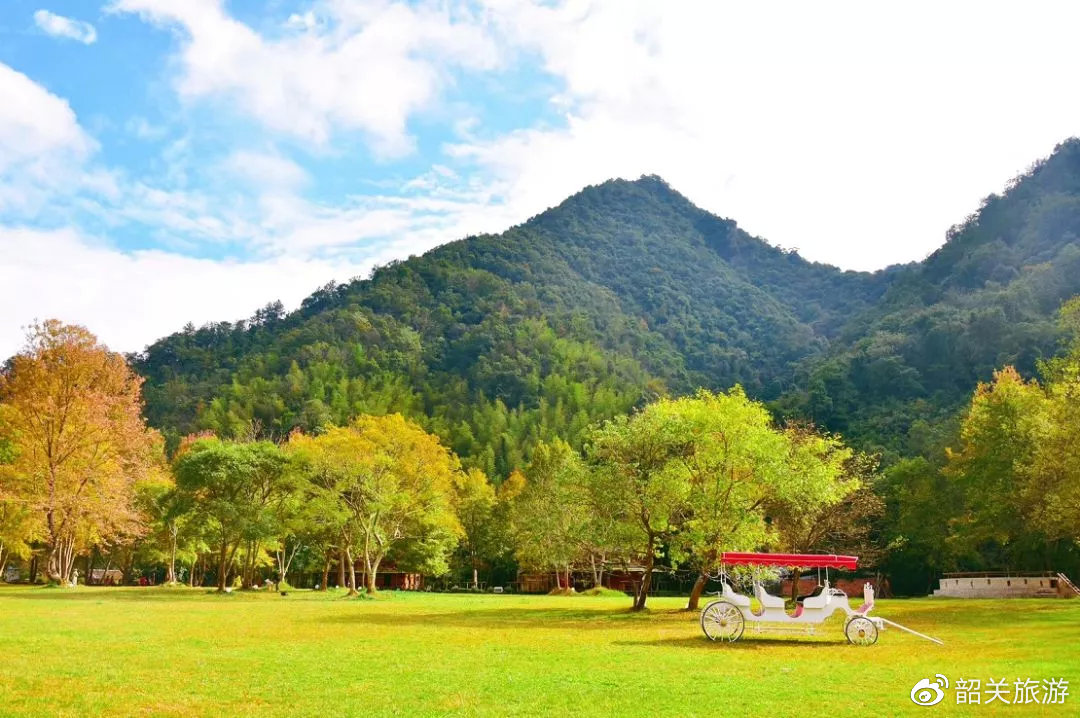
pixel 517 617
pixel 743 644
pixel 120 593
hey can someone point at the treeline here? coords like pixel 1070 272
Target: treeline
pixel 1005 493
pixel 666 486
pixel 670 485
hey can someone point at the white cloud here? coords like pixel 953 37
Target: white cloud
pixel 306 21
pixel 856 132
pixel 42 146
pixel 60 26
pixel 144 129
pixel 267 170
pixel 368 67
pixel 131 299
pixel 34 122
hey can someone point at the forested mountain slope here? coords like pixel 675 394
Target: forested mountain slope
pixel 986 299
pixel 627 290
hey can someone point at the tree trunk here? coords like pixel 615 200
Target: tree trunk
pixel 646 580
pixel 247 567
pixel 3 562
pixel 597 570
pixel 128 567
pixel 223 567
pixel 696 591
pixel 325 574
pixel 95 555
pixel 352 572
pixel 170 578
pixel 796 574
pixel 341 567
pixel 33 568
pixel 475 578
pixel 61 562
pixel 372 566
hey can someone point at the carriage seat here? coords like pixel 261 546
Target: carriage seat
pixel 737 598
pixel 819 601
pixel 767 600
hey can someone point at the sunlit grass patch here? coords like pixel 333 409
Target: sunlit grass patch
pixel 147 651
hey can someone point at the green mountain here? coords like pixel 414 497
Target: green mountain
pixel 627 290
pixel 987 298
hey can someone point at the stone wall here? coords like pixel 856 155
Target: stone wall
pixel 1003 587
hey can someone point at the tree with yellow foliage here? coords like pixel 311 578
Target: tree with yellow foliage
pixel 395 486
pixel 72 410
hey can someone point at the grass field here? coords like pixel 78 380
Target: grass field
pixel 155 651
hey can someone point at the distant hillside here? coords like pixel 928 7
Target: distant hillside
pixel 627 290
pixel 985 299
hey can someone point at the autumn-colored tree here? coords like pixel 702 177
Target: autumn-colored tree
pixel 73 411
pixel 394 486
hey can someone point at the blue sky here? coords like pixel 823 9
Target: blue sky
pixel 164 162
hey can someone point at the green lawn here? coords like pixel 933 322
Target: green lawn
pixel 154 651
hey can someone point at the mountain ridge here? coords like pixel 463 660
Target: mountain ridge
pixel 625 290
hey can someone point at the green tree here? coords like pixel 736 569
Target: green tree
pixel 233 490
pixel 476 504
pixel 640 465
pixel 735 462
pixel 551 512
pixel 999 437
pixel 1054 477
pixel 841 518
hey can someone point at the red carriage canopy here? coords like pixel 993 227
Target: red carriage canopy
pixel 802 560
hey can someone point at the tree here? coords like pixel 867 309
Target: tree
pixel 1054 478
pixel 551 511
pixel 1053 488
pixel 17 524
pixel 333 465
pixel 919 504
pixel 394 485
pixel 840 521
pixel 475 504
pixel 991 468
pixel 232 489
pixel 640 468
pixel 80 445
pixel 735 462
pixel 17 528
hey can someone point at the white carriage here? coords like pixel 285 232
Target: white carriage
pixel 726 618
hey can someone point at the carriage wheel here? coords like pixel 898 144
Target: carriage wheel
pixel 861 631
pixel 722 621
